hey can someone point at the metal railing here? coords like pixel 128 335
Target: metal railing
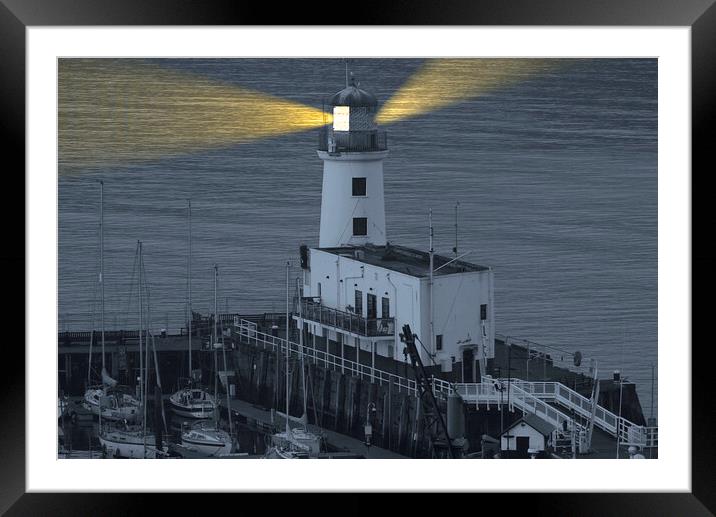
pixel 248 333
pixel 351 141
pixel 525 401
pixel 626 431
pixel 354 323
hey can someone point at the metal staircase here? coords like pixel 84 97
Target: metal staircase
pixel 537 397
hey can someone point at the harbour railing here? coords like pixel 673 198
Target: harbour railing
pixel 627 432
pixel 248 333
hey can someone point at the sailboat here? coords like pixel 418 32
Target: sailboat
pixel 205 439
pixel 191 401
pixel 122 439
pixel 107 400
pixel 297 442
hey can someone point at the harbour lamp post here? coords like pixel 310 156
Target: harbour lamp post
pixel 500 387
pixel 368 427
pixel 618 378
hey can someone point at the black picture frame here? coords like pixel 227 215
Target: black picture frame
pixel 700 15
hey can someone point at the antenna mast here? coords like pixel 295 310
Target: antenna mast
pixel 432 329
pixel 456 208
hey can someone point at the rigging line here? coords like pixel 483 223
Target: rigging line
pixel 131 287
pixel 350 219
pixel 378 228
pixel 452 305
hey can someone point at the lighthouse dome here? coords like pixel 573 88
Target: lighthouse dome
pixel 354 97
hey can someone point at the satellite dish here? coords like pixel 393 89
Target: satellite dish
pixel 577 358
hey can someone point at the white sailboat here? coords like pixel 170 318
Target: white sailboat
pixel 205 439
pixel 124 440
pixel 294 442
pixel 191 401
pixel 106 400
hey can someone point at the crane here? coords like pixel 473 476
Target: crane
pixel 429 404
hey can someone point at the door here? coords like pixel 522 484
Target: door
pixel 372 308
pixel 372 314
pixel 522 444
pixel 468 362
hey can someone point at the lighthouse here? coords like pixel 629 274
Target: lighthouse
pixel 352 148
pixel 359 289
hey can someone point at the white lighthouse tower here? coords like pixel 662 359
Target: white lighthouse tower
pixel 352 149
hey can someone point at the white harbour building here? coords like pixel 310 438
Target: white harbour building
pixel 358 288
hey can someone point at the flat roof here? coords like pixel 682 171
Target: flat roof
pixel 404 260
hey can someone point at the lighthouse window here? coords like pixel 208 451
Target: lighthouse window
pixel 385 308
pixel 360 226
pixel 359 187
pixel 483 311
pixel 439 342
pixel 341 118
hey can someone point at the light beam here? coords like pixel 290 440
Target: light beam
pixel 442 82
pixel 119 111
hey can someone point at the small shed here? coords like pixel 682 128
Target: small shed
pixel 529 434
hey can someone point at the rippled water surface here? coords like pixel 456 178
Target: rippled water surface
pixel 555 173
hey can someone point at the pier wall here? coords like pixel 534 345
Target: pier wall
pixel 336 401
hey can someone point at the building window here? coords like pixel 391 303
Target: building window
pixel 483 312
pixel 360 226
pixel 372 308
pixel 359 302
pixel 385 308
pixel 359 186
pixel 439 342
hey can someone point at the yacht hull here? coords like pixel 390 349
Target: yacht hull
pixel 118 444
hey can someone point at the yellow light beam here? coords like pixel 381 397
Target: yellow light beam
pixel 442 82
pixel 118 111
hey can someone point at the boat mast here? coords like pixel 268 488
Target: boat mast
pixel 188 267
pixel 300 342
pixel 159 380
pixel 213 346
pixel 141 325
pixel 223 353
pixel 146 351
pixel 288 265
pixel 101 281
pixel 101 268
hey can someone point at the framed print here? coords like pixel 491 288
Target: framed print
pixel 355 244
